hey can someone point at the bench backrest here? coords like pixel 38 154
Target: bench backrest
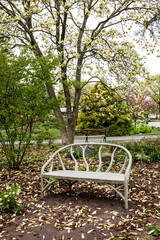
pixel 90 131
pixel 105 157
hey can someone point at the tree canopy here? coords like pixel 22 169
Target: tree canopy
pixel 152 85
pixel 152 23
pixel 89 37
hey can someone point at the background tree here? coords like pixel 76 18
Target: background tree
pixel 89 38
pixel 149 107
pixel 152 22
pixel 22 103
pixel 139 104
pixel 103 108
pixel 152 86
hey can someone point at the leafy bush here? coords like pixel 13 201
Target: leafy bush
pixel 141 129
pixel 103 108
pixel 119 128
pixel 149 150
pixel 46 131
pixel 23 102
pixel 54 146
pixel 8 199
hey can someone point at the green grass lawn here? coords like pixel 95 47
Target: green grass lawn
pixel 155 131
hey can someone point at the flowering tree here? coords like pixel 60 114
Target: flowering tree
pixel 152 85
pixel 149 106
pixel 89 37
pixel 139 105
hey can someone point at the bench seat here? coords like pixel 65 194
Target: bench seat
pixel 115 178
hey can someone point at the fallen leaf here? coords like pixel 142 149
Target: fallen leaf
pixel 82 235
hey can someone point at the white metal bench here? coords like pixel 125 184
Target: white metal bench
pixel 71 163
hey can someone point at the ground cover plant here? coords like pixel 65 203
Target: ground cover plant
pixel 90 212
pixel 8 201
pixel 145 151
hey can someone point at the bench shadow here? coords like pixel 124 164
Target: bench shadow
pixel 86 195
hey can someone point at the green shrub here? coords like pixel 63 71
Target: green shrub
pixel 148 149
pixel 135 131
pixel 103 108
pixel 119 128
pixel 54 146
pixel 145 129
pixel 155 155
pixel 141 129
pixel 8 199
pixel 46 131
pixel 23 103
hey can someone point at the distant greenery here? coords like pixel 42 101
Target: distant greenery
pixel 46 131
pixel 141 129
pixel 155 131
pixel 41 131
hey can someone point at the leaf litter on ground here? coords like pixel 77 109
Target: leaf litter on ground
pixel 91 212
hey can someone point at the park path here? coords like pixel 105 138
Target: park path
pixel 79 139
pixel 154 124
pixel 82 139
pixel 115 138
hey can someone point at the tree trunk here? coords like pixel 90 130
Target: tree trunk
pixel 135 123
pixel 67 136
pixel 67 128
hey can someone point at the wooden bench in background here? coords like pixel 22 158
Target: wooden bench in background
pixel 91 132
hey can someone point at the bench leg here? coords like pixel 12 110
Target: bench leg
pixel 116 194
pixel 42 187
pixel 126 196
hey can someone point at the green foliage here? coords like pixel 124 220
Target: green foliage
pixel 149 150
pixel 8 199
pixel 47 130
pixel 157 211
pixel 154 230
pixel 103 108
pixel 141 129
pixel 54 146
pixel 152 86
pixel 94 169
pixel 23 102
pixel 77 153
pixel 80 168
pixel 124 235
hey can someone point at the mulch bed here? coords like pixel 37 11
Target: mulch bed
pixel 91 212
